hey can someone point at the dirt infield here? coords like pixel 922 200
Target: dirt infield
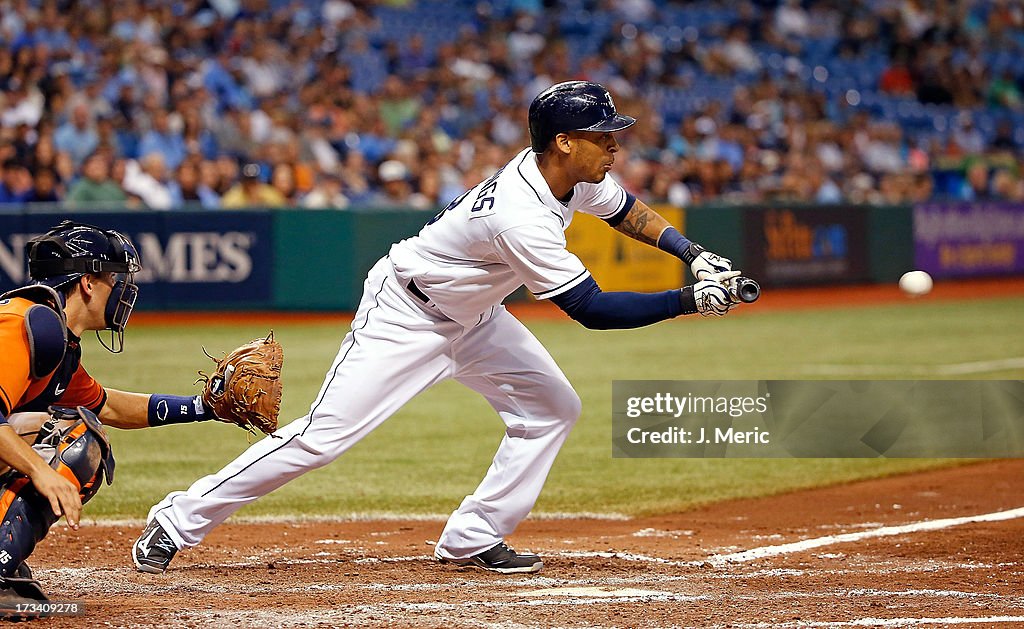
pixel 940 548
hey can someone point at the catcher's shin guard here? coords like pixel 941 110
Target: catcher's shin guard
pixel 75 444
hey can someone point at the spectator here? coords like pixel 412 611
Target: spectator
pixel 163 140
pixel 108 136
pixel 282 178
pixel 1004 92
pixel 327 193
pixel 77 137
pixel 189 191
pixel 147 180
pixel 395 189
pixel 25 103
pixel 821 187
pixel 428 190
pixel 791 20
pixel 252 192
pixel 897 79
pixel 44 155
pixel 230 80
pixel 975 186
pixel 354 176
pixel 1004 139
pixel 228 171
pixel 15 182
pixel 735 53
pixel 922 188
pixel 397 106
pixel 1006 186
pixel 95 186
pixel 44 187
pixel 967 136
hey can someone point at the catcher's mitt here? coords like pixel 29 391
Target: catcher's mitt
pixel 245 389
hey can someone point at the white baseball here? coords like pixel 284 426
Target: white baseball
pixel 916 283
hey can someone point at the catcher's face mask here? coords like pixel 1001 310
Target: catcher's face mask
pixel 122 296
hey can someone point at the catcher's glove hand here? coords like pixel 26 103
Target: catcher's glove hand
pixel 245 389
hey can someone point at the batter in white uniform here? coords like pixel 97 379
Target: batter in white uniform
pixel 431 310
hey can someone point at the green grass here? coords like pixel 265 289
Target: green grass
pixel 436 449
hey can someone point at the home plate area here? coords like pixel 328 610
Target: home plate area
pixel 938 548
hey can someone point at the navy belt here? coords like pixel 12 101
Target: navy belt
pixel 416 292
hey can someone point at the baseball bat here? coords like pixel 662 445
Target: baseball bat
pixel 745 289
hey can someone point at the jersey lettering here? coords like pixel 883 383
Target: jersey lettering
pixel 486 194
pixel 480 202
pixel 484 198
pixel 457 200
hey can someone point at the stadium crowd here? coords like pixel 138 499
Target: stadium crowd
pixel 212 104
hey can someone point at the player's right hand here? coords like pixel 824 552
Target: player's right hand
pixel 62 493
pixel 712 294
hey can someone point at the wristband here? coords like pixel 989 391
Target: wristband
pixel 688 300
pixel 671 241
pixel 691 253
pixel 176 409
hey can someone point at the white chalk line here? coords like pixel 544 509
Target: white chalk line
pixel 951 369
pixel 885 531
pixel 370 516
pixel 880 622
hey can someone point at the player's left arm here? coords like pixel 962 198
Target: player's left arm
pixel 127 410
pixel 642 223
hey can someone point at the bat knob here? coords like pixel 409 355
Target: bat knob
pixel 745 289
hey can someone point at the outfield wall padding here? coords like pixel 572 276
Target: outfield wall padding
pixel 291 259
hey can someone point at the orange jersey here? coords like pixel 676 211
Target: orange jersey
pixel 68 385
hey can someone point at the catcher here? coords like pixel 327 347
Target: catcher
pixel 53 448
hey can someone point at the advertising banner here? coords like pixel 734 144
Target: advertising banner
pixel 190 259
pixel 806 245
pixel 969 239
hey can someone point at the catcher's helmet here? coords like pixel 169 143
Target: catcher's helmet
pixel 71 250
pixel 573 106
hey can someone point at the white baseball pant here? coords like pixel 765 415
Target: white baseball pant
pixel 398 347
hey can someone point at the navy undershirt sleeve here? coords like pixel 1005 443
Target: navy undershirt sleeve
pixel 677 244
pixel 598 310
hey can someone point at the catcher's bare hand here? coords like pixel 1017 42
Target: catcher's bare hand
pixel 60 492
pixel 245 388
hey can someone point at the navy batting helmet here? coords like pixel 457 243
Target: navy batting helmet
pixel 71 250
pixel 573 106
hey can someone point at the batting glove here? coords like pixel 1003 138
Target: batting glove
pixel 705 263
pixel 711 296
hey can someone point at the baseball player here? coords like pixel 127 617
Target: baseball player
pixel 53 447
pixel 431 310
